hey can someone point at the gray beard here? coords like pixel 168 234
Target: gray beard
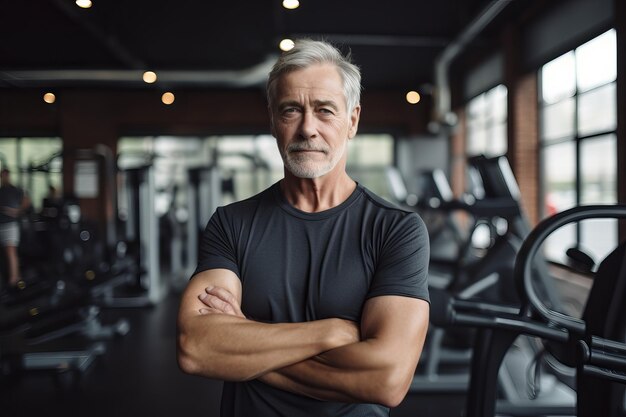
pixel 304 170
pixel 301 167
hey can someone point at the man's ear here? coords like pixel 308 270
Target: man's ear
pixel 354 121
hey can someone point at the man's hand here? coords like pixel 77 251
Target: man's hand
pixel 220 301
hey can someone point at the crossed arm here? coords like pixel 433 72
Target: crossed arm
pixel 329 359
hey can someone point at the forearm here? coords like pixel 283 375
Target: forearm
pixel 361 372
pixel 234 348
pixel 379 369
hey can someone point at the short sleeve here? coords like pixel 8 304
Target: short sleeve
pixel 217 247
pixel 403 263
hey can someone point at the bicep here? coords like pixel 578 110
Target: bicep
pixel 224 278
pixel 397 323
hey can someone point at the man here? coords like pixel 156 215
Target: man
pixel 12 202
pixel 309 299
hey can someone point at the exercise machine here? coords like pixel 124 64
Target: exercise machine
pixel 34 331
pixel 466 270
pixel 140 229
pixel 597 335
pixel 204 195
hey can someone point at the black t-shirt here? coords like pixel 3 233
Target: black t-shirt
pixel 296 266
pixel 10 196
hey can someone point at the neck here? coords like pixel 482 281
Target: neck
pixel 313 195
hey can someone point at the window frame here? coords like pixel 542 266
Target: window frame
pixel 576 137
pixel 490 123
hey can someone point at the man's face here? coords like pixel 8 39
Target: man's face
pixel 310 121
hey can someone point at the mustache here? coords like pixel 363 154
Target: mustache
pixel 306 146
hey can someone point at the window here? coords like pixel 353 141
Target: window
pixel 486 123
pixel 369 156
pixel 33 165
pixel 578 142
pixel 247 164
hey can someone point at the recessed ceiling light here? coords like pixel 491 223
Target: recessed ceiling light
pixel 286 45
pixel 413 97
pixel 291 4
pixel 149 77
pixel 49 98
pixel 168 98
pixel 85 4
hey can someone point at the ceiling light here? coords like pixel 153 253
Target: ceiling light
pixel 85 4
pixel 167 98
pixel 49 98
pixel 149 77
pixel 413 97
pixel 286 45
pixel 291 4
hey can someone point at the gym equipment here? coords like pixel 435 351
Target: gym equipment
pixel 465 270
pixel 204 195
pixel 63 245
pixel 602 358
pixel 599 333
pixel 493 207
pixel 75 268
pixel 30 327
pixel 141 234
pixel 171 236
pixel 60 227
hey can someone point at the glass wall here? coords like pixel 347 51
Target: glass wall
pixel 578 142
pixel 486 123
pixel 369 157
pixel 247 164
pixel 34 165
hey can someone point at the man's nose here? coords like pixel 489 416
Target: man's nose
pixel 308 125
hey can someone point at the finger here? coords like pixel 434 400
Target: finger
pixel 222 293
pixel 228 297
pixel 225 295
pixel 208 310
pixel 217 303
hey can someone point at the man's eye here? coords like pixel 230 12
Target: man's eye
pixel 326 111
pixel 290 110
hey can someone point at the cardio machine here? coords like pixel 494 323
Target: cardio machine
pixel 473 272
pixel 591 345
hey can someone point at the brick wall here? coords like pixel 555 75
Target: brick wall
pixel 457 155
pixel 524 155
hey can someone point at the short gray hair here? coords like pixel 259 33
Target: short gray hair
pixel 307 52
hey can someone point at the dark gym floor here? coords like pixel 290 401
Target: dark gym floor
pixel 137 375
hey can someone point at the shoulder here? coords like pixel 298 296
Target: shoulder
pixel 381 203
pixel 387 209
pixel 393 218
pixel 262 197
pixel 244 209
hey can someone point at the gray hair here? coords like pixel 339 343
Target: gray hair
pixel 307 52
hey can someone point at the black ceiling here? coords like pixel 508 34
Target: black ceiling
pixel 222 44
